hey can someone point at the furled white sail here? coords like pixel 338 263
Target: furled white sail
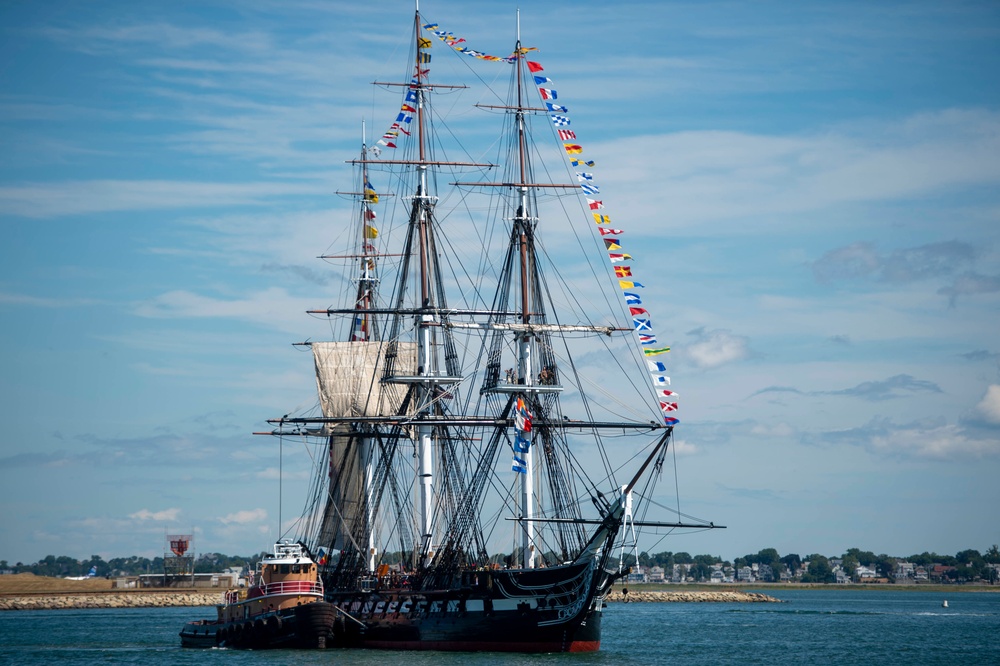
pixel 348 378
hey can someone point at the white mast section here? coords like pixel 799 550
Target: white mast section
pixel 524 359
pixel 425 323
pixel 425 450
pixel 628 524
pixel 369 481
pixel 527 479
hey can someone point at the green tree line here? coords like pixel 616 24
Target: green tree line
pixel 62 566
pixel 968 564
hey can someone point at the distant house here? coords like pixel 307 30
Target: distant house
pixel 656 574
pixel 904 572
pixel 939 571
pixel 841 577
pixel 863 573
pixel 919 574
pixel 717 577
pixel 803 568
pixel 744 574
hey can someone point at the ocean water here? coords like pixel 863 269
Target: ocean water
pixel 812 627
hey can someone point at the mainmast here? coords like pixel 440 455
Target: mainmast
pixel 423 205
pixel 431 331
pixel 420 280
pixel 522 222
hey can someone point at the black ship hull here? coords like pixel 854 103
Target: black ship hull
pixel 536 610
pixel 475 631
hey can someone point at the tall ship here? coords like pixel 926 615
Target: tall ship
pixel 493 413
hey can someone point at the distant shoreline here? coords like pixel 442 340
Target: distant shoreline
pixel 169 598
pixel 767 588
pixel 115 599
pixel 28 592
pixel 690 596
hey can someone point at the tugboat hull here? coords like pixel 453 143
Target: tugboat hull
pixel 306 626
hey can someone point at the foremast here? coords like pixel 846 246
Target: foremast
pixel 365 329
pixel 365 325
pixel 350 451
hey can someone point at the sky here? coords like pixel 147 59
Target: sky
pixel 816 187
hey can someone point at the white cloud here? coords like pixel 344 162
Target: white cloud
pixel 683 447
pixel 988 408
pixel 273 474
pixel 773 430
pixel 168 515
pixel 245 517
pixel 187 304
pixel 921 439
pixel 8 298
pixel 272 307
pixel 160 35
pixel 715 175
pixel 714 348
pixel 939 442
pixel 44 200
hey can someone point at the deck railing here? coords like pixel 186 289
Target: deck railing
pixel 293 587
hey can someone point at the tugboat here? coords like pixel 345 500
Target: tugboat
pixel 282 606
